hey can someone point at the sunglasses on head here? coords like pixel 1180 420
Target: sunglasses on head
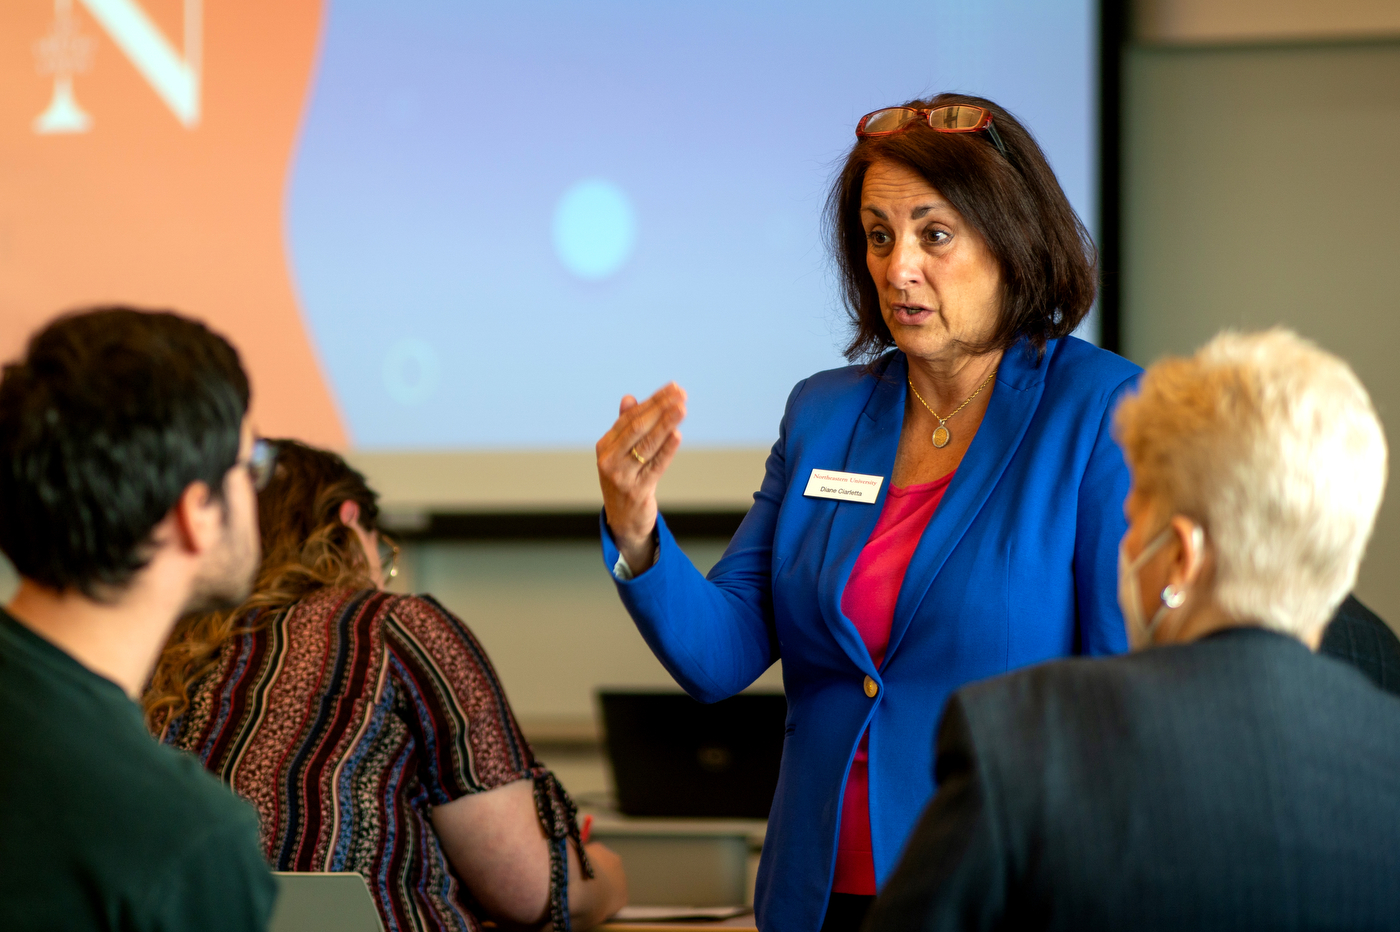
pixel 954 118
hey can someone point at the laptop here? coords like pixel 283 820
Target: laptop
pixel 323 902
pixel 674 757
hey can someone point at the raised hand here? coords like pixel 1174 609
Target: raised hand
pixel 631 458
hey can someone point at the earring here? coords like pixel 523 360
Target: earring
pixel 1172 597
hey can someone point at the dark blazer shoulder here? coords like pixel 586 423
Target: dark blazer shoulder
pixel 1100 694
pixel 1082 777
pixel 1359 637
pixel 1047 699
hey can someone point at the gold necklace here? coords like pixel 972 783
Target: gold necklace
pixel 941 434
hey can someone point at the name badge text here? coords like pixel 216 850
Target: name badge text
pixel 843 486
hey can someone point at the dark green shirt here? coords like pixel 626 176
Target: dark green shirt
pixel 101 827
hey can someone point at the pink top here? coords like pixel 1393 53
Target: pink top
pixel 869 602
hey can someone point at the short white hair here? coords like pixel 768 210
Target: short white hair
pixel 1273 446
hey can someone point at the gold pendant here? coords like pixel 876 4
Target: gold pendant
pixel 941 436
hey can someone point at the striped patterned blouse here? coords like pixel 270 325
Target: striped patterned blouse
pixel 343 721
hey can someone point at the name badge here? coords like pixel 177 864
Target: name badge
pixel 843 486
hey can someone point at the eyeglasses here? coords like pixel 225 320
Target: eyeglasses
pixel 956 118
pixel 260 463
pixel 388 556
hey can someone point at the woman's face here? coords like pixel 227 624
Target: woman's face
pixel 938 281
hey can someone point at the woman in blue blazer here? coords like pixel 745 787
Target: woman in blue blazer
pixel 895 552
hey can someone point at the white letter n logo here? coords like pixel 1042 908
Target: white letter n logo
pixel 173 77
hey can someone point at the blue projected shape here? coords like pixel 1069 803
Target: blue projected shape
pixel 411 371
pixel 595 229
pixel 563 203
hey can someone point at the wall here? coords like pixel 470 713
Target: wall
pixel 1236 21
pixel 413 483
pixel 549 616
pixel 1260 188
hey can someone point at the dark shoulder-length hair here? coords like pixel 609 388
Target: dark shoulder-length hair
pixel 1048 262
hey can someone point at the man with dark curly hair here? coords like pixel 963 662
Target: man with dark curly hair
pixel 128 471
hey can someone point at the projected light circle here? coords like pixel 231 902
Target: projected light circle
pixel 411 371
pixel 595 229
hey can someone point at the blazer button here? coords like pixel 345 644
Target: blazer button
pixel 871 687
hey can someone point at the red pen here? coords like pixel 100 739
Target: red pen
pixel 587 828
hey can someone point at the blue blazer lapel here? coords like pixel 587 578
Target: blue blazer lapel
pixel 874 443
pixel 1019 385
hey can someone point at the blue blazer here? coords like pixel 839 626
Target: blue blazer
pixel 1017 565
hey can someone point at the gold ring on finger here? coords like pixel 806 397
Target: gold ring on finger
pixel 638 457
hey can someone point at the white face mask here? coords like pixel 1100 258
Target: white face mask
pixel 1141 632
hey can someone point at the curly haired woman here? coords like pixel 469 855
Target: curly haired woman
pixel 370 730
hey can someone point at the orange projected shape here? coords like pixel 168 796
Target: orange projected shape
pixel 145 148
